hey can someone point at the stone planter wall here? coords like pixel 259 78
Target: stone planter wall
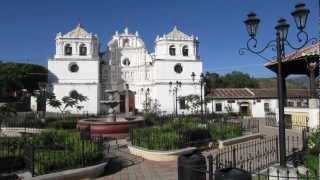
pixel 155 155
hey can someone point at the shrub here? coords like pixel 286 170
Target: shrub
pixel 70 151
pixel 179 132
pixel 156 138
pixel 69 123
pixel 314 143
pixel 51 137
pixel 151 119
pixel 222 131
pixel 312 162
pixel 197 136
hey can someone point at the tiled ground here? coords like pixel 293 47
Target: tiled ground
pixel 125 166
pixel 146 170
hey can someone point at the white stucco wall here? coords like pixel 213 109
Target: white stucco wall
pixel 59 71
pixel 312 113
pixel 256 107
pixel 91 91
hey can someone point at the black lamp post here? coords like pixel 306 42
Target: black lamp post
pixel 175 93
pixel 42 95
pixel 147 94
pixel 300 15
pixel 201 82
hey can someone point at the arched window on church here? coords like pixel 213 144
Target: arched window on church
pixel 125 43
pixel 172 50
pixel 185 51
pixel 83 50
pixel 68 50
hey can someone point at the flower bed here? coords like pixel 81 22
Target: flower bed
pixel 180 133
pixel 58 149
pixel 55 150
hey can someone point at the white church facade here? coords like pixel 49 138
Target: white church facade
pixel 126 66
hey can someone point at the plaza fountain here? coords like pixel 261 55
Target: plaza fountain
pixel 112 124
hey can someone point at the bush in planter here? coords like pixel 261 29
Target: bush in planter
pixel 156 138
pixel 51 137
pixel 314 143
pixel 151 119
pixel 197 137
pixel 71 153
pixel 69 123
pixel 311 157
pixel 224 131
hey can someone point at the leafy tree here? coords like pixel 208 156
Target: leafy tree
pixel 193 102
pixel 6 110
pixel 151 106
pixel 213 80
pixel 16 76
pixel 71 101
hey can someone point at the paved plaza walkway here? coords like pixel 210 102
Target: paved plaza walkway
pixel 124 166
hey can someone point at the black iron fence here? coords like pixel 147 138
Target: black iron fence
pixel 297 122
pixel 253 159
pixel 250 125
pixel 46 154
pixel 11 154
pixel 73 153
pixel 174 132
pixel 40 158
pixel 32 122
pixel 255 155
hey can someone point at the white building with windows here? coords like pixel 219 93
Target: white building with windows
pixel 261 103
pixel 142 78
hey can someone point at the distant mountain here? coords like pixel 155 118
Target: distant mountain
pixel 299 82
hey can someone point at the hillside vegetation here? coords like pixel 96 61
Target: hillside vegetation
pixel 237 79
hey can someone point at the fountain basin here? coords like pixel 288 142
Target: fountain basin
pixel 107 128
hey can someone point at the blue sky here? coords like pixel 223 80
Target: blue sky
pixel 28 27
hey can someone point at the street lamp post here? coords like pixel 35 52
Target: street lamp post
pixel 300 15
pixel 175 93
pixel 202 83
pixel 147 94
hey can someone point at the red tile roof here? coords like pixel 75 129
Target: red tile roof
pixel 245 93
pixel 313 50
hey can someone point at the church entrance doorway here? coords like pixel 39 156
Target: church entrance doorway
pixel 122 103
pixel 131 103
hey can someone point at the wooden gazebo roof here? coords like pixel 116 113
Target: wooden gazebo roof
pixel 296 62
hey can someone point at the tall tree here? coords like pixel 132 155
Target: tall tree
pixel 16 76
pixel 235 79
